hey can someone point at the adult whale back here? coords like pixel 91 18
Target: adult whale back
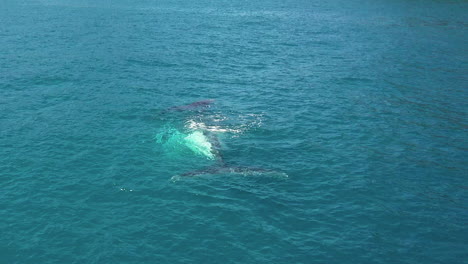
pixel 192 106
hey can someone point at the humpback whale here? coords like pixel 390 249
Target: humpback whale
pixel 193 106
pixel 203 140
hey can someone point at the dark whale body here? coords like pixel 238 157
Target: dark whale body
pixel 224 168
pixel 193 106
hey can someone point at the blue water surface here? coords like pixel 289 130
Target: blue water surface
pixel 361 104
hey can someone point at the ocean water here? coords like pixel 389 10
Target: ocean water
pixel 353 114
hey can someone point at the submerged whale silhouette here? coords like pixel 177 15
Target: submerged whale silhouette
pixel 193 106
pixel 207 143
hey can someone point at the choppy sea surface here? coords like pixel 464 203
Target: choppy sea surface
pixel 353 114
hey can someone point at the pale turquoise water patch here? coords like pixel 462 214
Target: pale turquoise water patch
pixel 199 144
pixel 176 143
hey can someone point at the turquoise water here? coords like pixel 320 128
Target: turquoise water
pixel 358 106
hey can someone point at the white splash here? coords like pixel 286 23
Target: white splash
pixel 198 143
pixel 193 125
